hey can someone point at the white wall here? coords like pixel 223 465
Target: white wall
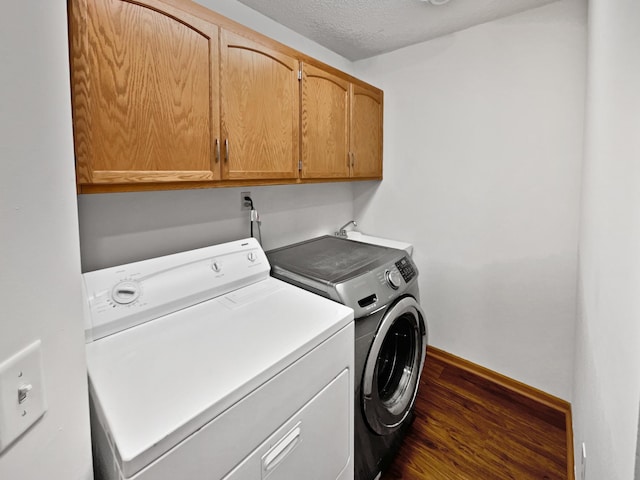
pixel 607 388
pixel 119 228
pixel 125 227
pixel 483 149
pixel 40 293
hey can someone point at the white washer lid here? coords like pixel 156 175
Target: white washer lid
pixel 157 383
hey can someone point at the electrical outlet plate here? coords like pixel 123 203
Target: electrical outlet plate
pixel 244 205
pixel 22 400
pixel 583 462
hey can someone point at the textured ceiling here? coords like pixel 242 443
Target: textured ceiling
pixel 358 29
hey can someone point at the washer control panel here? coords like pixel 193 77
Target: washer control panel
pixel 127 295
pixel 378 287
pixel 405 267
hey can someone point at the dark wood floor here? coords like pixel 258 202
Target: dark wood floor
pixel 469 428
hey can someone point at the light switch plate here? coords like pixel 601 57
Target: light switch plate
pixel 22 399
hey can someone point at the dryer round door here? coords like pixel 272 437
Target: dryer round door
pixel 393 367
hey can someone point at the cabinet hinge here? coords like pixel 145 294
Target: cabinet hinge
pixel 300 74
pixel 300 165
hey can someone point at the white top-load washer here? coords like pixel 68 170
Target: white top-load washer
pixel 202 366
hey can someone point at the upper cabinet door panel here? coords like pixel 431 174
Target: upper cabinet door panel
pixel 325 128
pixel 145 84
pixel 260 110
pixel 366 132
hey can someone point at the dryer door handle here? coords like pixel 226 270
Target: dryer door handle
pixel 281 450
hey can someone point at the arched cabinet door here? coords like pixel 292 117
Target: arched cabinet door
pixel 366 132
pixel 145 93
pixel 260 110
pixel 325 124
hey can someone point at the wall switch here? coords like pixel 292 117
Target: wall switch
pixel 22 400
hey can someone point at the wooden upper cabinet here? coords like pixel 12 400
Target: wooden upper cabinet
pixel 260 109
pixel 145 93
pixel 341 127
pixel 325 124
pixel 167 94
pixel 366 132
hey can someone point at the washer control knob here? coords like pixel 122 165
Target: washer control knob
pixel 393 278
pixel 252 257
pixel 216 266
pixel 126 292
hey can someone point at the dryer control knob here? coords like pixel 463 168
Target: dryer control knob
pixel 393 278
pixel 216 266
pixel 125 292
pixel 252 256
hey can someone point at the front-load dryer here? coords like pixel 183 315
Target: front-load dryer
pixel 380 284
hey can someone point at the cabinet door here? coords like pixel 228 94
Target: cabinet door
pixel 260 110
pixel 366 132
pixel 145 93
pixel 325 124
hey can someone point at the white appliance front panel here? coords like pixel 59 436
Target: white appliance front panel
pixel 312 445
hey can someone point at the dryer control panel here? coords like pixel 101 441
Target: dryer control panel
pixel 127 295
